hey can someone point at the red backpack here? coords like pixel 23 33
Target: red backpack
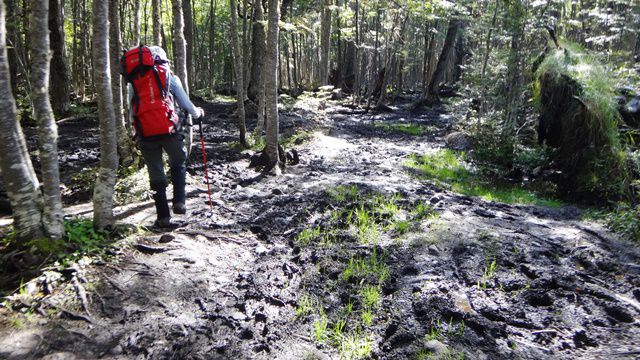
pixel 152 106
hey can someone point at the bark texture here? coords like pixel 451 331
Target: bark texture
pixel 188 34
pixel 47 129
pixel 155 10
pixel 325 41
pixel 271 83
pixel 124 142
pixel 103 191
pixel 59 71
pixel 258 50
pixel 180 44
pixel 446 56
pixel 239 71
pixel 19 178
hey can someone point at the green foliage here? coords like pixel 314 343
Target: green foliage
pixel 404 128
pixel 306 236
pixel 344 193
pixel 363 268
pixel 573 89
pixel 297 138
pixel 445 167
pixel 370 296
pixel 320 328
pixel 82 236
pixel 402 226
pixel 305 306
pixel 624 220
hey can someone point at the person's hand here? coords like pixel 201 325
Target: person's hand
pixel 200 112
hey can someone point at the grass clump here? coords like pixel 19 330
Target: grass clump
pixel 344 193
pixel 306 236
pixel 366 268
pixel 404 128
pixel 446 167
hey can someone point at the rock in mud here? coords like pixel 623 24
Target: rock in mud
pixel 166 238
pixel 619 313
pixel 457 141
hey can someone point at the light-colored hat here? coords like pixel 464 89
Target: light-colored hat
pixel 159 55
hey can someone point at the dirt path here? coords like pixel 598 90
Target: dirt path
pixel 482 281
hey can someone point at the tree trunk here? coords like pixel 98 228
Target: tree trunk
pixel 271 85
pixel 19 178
pixel 103 190
pixel 445 58
pixel 188 34
pixel 180 44
pixel 124 143
pixel 12 42
pixel 136 23
pixel 325 42
pixel 59 73
pixel 155 10
pixel 47 129
pixel 239 71
pixel 258 46
pixel 212 43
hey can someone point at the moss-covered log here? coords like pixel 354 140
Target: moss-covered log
pixel 579 117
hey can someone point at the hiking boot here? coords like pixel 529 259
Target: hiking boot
pixel 162 207
pixel 178 175
pixel 162 223
pixel 179 208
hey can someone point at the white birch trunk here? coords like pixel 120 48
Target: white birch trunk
pixel 47 129
pixel 17 171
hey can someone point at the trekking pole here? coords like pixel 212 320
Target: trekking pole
pixel 206 171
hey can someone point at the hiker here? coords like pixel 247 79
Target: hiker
pixel 157 124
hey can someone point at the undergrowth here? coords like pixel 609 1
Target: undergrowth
pixel 623 219
pixel 404 128
pixel 447 167
pixel 365 219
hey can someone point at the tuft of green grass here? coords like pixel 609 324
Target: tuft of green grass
pixel 402 226
pixel 344 193
pixel 305 306
pixel 450 168
pixel 488 274
pixel 362 268
pixel 367 317
pixel 422 211
pixel 306 236
pixel 356 346
pixel 370 296
pixel 404 128
pixel 320 328
pixel 297 138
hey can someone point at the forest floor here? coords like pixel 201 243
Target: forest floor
pixel 348 254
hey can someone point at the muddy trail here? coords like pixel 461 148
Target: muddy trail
pixel 312 264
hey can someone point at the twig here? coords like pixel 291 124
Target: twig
pixel 522 342
pixel 150 250
pixel 82 295
pixel 211 237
